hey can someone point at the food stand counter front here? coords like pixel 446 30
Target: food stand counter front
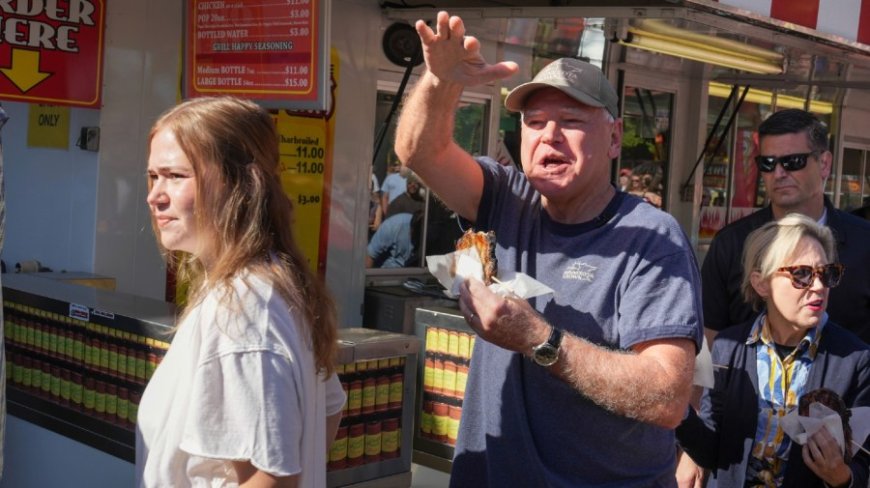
pixel 442 374
pixel 78 359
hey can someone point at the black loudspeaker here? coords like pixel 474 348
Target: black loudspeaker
pixel 402 46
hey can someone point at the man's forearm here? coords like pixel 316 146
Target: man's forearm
pixel 652 386
pixel 425 128
pixel 651 383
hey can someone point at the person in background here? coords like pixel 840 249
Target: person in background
pixel 582 387
pixel 443 228
pixel 502 153
pixel 397 241
pixel 624 179
pixel 394 185
pixel 246 394
pixel 794 162
pixel 646 183
pixel 411 201
pixel 376 215
pixel 764 366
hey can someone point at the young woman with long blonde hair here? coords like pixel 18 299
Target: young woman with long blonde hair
pixel 246 394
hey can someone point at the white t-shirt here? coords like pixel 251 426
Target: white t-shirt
pixel 238 383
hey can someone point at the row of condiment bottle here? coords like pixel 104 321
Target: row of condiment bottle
pixel 359 443
pixel 373 386
pixel 113 403
pixel 439 421
pixel 454 343
pixel 444 377
pixel 109 351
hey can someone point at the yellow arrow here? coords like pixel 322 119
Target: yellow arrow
pixel 23 71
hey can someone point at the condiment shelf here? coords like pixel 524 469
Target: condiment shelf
pixel 78 358
pixel 378 371
pixel 443 371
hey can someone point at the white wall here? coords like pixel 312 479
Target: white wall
pixel 140 81
pixel 83 211
pixel 50 195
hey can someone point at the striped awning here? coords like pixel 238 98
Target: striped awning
pixel 846 19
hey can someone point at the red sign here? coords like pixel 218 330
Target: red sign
pixel 850 20
pixel 256 49
pixel 52 51
pixel 745 170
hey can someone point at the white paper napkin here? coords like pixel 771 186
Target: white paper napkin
pixel 468 266
pixel 801 428
pixel 703 367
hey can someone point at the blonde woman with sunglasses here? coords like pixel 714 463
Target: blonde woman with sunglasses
pixel 764 366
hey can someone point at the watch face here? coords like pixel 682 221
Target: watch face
pixel 546 355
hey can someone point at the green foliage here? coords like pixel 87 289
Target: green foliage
pixel 635 147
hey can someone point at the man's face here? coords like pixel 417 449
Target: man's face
pixel 567 146
pixel 413 188
pixel 791 190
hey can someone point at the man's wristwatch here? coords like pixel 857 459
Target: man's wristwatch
pixel 547 354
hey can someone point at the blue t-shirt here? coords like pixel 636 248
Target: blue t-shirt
pixel 394 185
pixel 390 246
pixel 627 277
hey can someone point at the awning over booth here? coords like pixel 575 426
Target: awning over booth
pixel 838 22
pixel 838 30
pixel 849 19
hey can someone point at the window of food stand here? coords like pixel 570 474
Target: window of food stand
pixel 645 157
pixel 855 180
pixel 439 228
pixel 732 185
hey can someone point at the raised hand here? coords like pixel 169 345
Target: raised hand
pixel 451 56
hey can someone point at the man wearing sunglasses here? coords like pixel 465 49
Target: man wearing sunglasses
pixel 794 162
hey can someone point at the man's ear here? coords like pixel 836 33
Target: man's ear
pixel 826 160
pixel 615 140
pixel 759 284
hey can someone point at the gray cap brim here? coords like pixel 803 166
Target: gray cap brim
pixel 516 99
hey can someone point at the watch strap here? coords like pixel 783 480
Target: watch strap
pixel 555 339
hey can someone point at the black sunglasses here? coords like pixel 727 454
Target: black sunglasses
pixel 802 277
pixel 790 162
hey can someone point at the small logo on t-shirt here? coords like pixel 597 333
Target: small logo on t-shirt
pixel 579 271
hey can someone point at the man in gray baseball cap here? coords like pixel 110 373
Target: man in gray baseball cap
pixel 582 387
